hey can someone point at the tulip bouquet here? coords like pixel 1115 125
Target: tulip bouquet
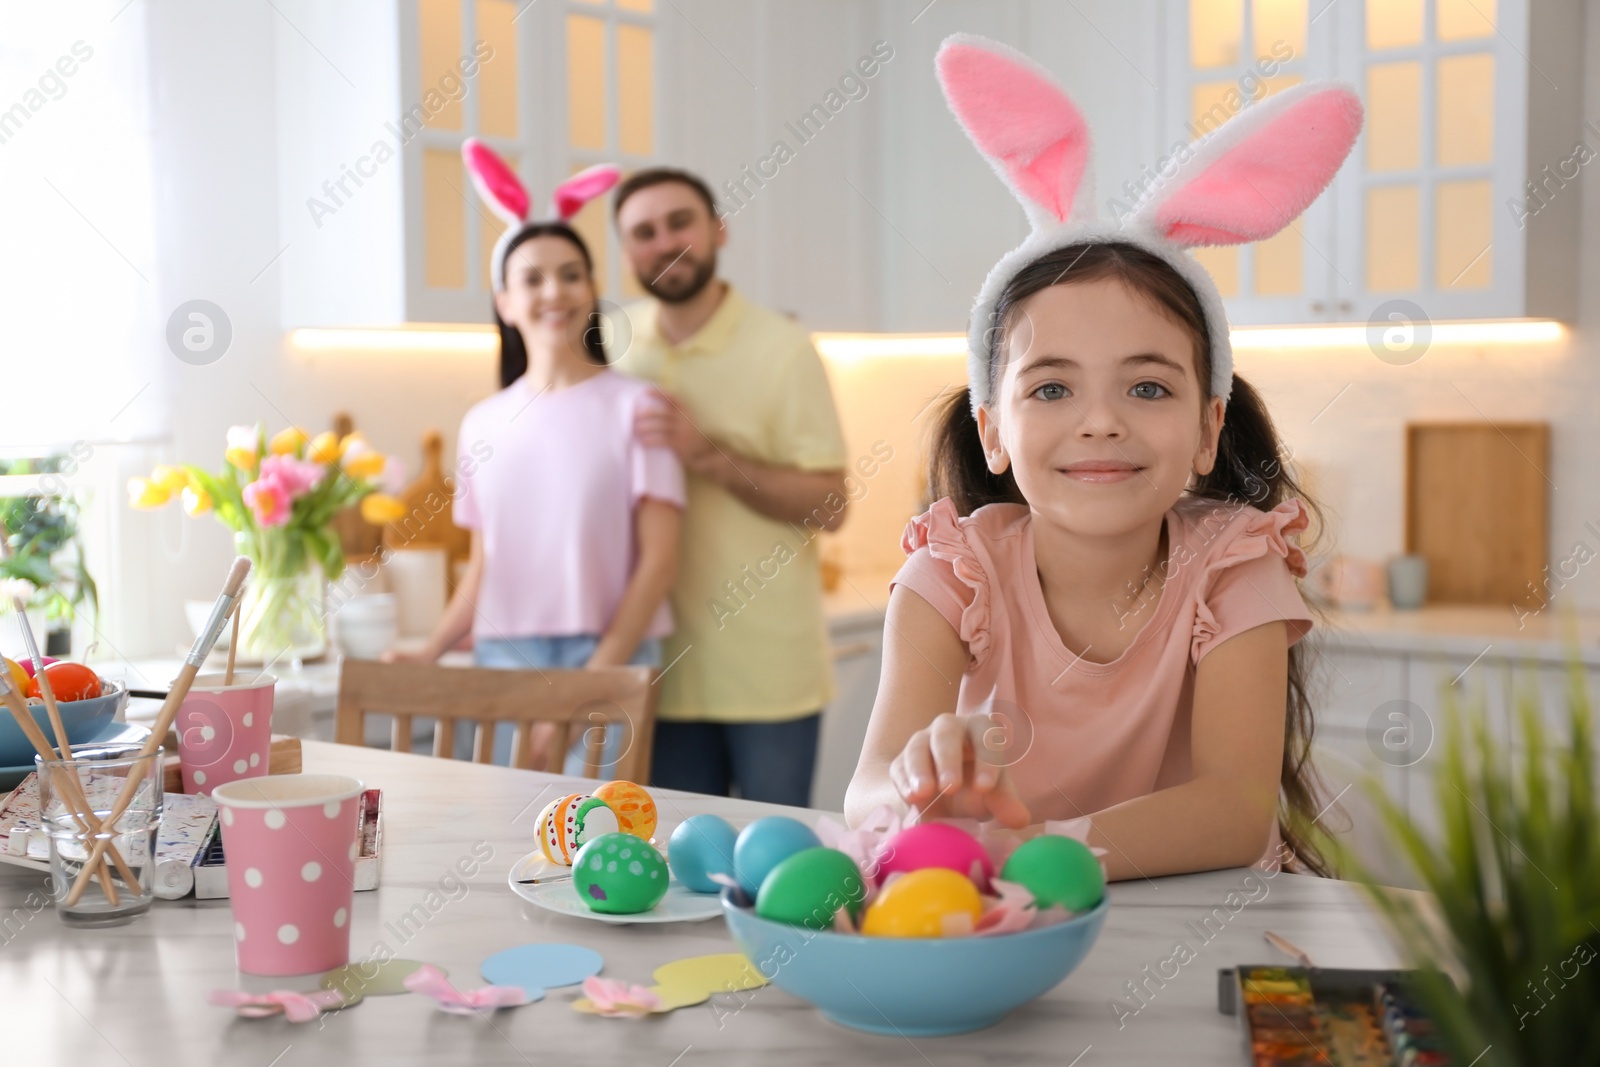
pixel 279 496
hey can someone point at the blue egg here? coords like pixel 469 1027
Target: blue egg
pixel 766 843
pixel 700 846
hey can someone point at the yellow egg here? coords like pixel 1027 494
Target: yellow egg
pixel 636 811
pixel 19 677
pixel 919 903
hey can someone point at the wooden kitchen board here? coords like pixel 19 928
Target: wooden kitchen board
pixel 1478 509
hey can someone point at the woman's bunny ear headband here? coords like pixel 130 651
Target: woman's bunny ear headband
pixel 1246 181
pixel 503 191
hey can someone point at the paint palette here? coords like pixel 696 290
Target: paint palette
pixel 1344 1018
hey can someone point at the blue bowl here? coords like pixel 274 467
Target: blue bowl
pixel 913 987
pixel 84 719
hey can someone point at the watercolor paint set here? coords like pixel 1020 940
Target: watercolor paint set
pixel 1342 1018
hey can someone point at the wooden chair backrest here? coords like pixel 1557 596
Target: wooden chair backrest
pixel 592 701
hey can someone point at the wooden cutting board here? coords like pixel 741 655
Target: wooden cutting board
pixel 1478 509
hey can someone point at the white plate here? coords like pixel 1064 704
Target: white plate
pixel 680 905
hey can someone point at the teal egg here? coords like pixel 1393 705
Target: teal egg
pixel 619 874
pixel 700 846
pixel 810 887
pixel 1057 870
pixel 766 843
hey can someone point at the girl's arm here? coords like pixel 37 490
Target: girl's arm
pixel 917 750
pixel 1223 816
pixel 456 622
pixel 656 525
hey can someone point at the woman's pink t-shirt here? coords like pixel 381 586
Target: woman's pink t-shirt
pixel 550 482
pixel 1091 735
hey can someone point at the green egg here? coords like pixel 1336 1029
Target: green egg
pixel 619 874
pixel 1057 870
pixel 809 887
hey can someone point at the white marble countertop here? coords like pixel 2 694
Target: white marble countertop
pixel 136 994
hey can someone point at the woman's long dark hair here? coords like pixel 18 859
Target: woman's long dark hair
pixel 1251 469
pixel 513 353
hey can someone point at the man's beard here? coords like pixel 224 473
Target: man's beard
pixel 681 292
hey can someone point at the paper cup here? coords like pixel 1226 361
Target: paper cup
pixel 224 731
pixel 290 844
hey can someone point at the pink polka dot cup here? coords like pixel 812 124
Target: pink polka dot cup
pixel 224 731
pixel 290 843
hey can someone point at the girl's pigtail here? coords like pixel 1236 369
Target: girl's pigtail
pixel 956 467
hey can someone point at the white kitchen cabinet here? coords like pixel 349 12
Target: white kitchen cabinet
pixel 1469 106
pixel 380 222
pixel 857 643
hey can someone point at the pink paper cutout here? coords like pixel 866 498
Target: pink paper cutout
pixel 616 998
pixel 430 982
pixel 296 1007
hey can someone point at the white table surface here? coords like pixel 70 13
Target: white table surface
pixel 136 994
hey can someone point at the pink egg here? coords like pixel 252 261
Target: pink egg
pixel 27 664
pixel 936 844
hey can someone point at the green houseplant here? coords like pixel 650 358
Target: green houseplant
pixel 44 556
pixel 1513 884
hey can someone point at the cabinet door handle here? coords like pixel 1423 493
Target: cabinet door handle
pixel 1318 307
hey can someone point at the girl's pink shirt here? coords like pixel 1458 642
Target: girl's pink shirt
pixel 550 481
pixel 1088 735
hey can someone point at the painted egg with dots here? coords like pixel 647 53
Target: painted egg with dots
pixel 619 874
pixel 635 808
pixel 568 822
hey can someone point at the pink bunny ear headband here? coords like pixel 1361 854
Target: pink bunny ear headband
pixel 1246 181
pixel 503 191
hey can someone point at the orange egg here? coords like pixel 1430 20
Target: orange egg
pixel 68 681
pixel 636 811
pixel 932 902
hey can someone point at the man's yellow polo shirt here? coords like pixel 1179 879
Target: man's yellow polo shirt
pixel 751 644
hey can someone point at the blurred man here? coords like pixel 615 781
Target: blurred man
pixel 746 407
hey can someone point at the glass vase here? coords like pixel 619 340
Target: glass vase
pixel 283 616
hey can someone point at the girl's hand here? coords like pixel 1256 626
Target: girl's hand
pixel 956 768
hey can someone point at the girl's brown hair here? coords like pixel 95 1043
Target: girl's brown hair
pixel 1249 470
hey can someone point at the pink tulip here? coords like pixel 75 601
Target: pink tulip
pixel 297 476
pixel 268 499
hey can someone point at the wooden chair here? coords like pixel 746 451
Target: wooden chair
pixel 594 701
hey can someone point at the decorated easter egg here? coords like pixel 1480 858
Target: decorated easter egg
pixel 931 902
pixel 936 844
pixel 1057 870
pixel 700 846
pixel 619 874
pixel 568 822
pixel 636 811
pixel 766 843
pixel 810 887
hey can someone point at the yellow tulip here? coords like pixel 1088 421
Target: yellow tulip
pixel 169 479
pixel 324 448
pixel 380 509
pixel 352 438
pixel 242 458
pixel 367 464
pixel 145 494
pixel 196 501
pixel 287 441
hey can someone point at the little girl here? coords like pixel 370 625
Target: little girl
pixel 574 522
pixel 1099 616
